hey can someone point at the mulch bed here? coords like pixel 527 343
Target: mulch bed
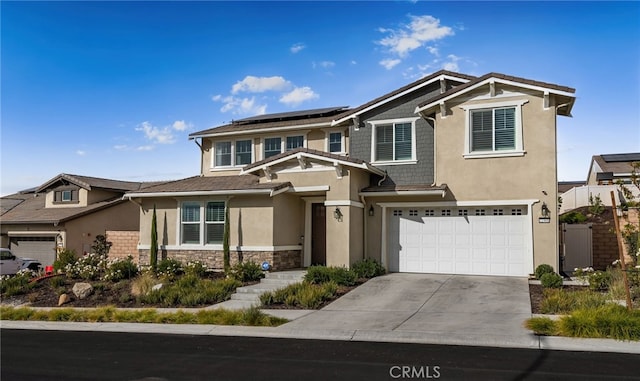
pixel 536 295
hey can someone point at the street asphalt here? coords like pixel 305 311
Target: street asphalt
pixel 404 308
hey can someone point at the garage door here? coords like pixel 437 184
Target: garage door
pixel 474 241
pixel 40 248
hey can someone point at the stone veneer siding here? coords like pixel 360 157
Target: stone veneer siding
pixel 123 244
pixel 213 259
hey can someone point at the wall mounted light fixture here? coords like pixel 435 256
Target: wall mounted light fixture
pixel 371 211
pixel 545 210
pixel 337 214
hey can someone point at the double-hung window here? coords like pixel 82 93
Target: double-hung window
pixel 494 129
pixel 194 229
pixel 394 141
pixel 272 147
pixel 335 142
pixel 229 154
pixel 294 142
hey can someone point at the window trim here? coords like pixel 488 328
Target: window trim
pixel 233 154
pixel 283 142
pixel 343 141
pixel 375 123
pixel 519 148
pixel 202 224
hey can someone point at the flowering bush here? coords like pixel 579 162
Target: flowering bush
pixel 195 268
pixel 169 268
pixel 88 267
pixel 119 269
pixel 16 285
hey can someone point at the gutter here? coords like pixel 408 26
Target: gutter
pixel 438 192
pixel 201 193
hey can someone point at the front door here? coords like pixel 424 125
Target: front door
pixel 318 234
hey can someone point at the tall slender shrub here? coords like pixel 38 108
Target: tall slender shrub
pixel 153 251
pixel 225 239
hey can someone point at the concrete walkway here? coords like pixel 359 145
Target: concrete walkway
pixel 410 308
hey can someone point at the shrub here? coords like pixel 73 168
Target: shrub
pixel 142 284
pixel 121 269
pixel 543 269
pixel 16 285
pixel 551 280
pixel 573 218
pixel 190 291
pixel 608 321
pixel 558 301
pixel 322 274
pixel 542 325
pixel 65 257
pixel 599 280
pixel 57 281
pixel 304 294
pixel 368 268
pixel 88 267
pixel 247 272
pixel 195 268
pixel 170 268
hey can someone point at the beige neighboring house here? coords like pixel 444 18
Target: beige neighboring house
pixel 68 211
pixel 450 174
pixel 608 169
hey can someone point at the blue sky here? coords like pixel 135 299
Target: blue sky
pixel 113 89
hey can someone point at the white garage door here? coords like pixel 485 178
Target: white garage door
pixel 40 248
pixel 474 241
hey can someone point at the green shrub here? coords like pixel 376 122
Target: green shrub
pixel 559 301
pixel 170 268
pixel 121 269
pixel 195 268
pixel 572 218
pixel 303 295
pixel 57 281
pixel 88 267
pixel 599 280
pixel 16 285
pixel 543 269
pixel 247 272
pixel 65 257
pixel 322 274
pixel 551 280
pixel 368 268
pixel 191 291
pixel 542 325
pixel 608 321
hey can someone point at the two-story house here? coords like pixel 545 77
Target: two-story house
pixel 449 174
pixel 68 211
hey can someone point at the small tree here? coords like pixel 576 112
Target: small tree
pixel 225 239
pixel 153 251
pixel 100 245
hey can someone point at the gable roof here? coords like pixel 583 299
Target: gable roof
pixel 314 155
pixel 544 87
pixel 209 185
pixel 424 81
pixel 88 183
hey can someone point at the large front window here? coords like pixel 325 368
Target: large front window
pixel 223 154
pixel 228 154
pixel 243 152
pixel 294 142
pixel 197 231
pixel 493 130
pixel 394 141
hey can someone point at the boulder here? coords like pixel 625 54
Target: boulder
pixel 156 287
pixel 82 290
pixel 64 298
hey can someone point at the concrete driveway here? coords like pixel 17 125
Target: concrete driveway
pixel 451 308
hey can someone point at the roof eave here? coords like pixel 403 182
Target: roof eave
pixel 430 192
pixel 198 193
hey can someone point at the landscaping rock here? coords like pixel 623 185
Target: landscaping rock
pixel 156 287
pixel 82 290
pixel 64 298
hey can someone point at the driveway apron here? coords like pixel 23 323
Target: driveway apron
pixel 458 307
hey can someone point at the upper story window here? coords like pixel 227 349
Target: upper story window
pixel 65 196
pixel 394 141
pixel 272 147
pixel 194 230
pixel 229 154
pixel 494 129
pixel 335 142
pixel 294 142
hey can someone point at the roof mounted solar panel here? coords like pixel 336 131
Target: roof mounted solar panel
pixel 302 114
pixel 620 157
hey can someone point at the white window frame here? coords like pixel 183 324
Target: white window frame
pixel 283 142
pixel 64 199
pixel 375 123
pixel 202 224
pixel 343 142
pixel 233 154
pixel 519 148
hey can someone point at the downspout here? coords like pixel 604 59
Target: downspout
pixel 364 226
pixel 201 156
pixel 434 147
pixel 555 121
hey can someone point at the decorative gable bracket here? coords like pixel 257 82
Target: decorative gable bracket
pixel 303 162
pixel 268 174
pixel 338 168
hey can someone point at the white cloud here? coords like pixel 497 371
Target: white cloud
pixel 181 125
pixel 81 153
pixel 121 147
pixel 253 84
pixel 295 48
pixel 298 95
pixel 389 63
pixel 144 148
pixel 354 62
pixel 156 134
pixel 241 106
pixel 324 64
pixel 452 63
pixel 402 41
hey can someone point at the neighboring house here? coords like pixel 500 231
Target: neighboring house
pixel 449 174
pixel 608 169
pixel 68 211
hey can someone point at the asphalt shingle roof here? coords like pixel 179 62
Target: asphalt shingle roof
pixel 213 183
